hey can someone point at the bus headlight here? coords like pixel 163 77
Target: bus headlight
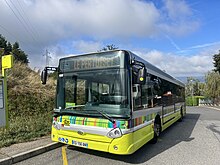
pixel 56 125
pixel 114 133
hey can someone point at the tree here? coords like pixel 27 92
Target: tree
pixel 194 87
pixel 216 58
pixel 3 44
pixel 212 88
pixel 108 48
pixel 19 54
pixel 7 48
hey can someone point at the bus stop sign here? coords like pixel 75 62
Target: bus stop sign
pixel 7 62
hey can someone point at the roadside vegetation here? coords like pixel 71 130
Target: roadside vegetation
pixel 30 105
pixel 209 91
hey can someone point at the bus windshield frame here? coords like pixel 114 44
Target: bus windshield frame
pixel 89 86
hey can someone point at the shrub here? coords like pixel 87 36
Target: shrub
pixel 193 100
pixel 30 105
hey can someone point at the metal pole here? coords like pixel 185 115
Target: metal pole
pixel 192 92
pixel 6 99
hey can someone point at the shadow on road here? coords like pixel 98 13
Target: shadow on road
pixel 178 132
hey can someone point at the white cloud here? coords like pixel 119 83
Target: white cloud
pixel 178 65
pixel 87 24
pixel 54 20
pixel 87 46
pixel 177 9
pixel 177 18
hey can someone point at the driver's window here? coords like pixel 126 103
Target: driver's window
pixel 137 96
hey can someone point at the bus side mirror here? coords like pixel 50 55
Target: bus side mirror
pixel 139 72
pixel 44 76
pixel 141 77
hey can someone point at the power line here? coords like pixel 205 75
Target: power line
pixel 19 20
pixel 24 21
pixel 28 20
pixel 2 27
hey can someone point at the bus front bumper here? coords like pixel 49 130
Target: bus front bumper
pixel 121 146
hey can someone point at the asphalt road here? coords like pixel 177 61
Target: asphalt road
pixel 195 141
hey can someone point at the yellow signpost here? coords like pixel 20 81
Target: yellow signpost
pixel 7 62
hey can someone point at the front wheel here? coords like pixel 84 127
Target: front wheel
pixel 157 131
pixel 181 115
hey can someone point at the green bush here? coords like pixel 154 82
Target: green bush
pixel 30 106
pixel 193 100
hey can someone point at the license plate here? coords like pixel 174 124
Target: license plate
pixel 80 144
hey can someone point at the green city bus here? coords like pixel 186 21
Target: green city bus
pixel 113 101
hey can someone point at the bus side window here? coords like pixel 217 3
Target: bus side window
pixel 137 96
pixel 144 95
pixel 150 97
pixel 154 91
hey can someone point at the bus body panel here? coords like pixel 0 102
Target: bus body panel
pixel 175 117
pixel 127 144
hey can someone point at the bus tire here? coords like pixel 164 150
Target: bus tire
pixel 157 130
pixel 181 114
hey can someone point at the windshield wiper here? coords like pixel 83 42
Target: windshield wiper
pixel 71 113
pixel 106 116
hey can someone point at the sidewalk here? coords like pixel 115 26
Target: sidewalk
pixel 22 151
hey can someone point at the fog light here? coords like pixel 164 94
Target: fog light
pixel 115 147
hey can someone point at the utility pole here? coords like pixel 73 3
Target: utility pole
pixel 47 57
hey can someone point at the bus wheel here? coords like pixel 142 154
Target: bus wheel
pixel 157 131
pixel 181 115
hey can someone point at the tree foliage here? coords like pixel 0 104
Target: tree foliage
pixel 19 54
pixel 194 87
pixel 212 89
pixel 7 48
pixel 216 58
pixel 108 48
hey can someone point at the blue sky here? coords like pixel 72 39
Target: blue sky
pixel 178 36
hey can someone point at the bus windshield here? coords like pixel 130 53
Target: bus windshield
pixel 90 92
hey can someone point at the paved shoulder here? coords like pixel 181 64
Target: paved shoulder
pixel 22 151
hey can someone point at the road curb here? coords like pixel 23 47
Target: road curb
pixel 28 154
